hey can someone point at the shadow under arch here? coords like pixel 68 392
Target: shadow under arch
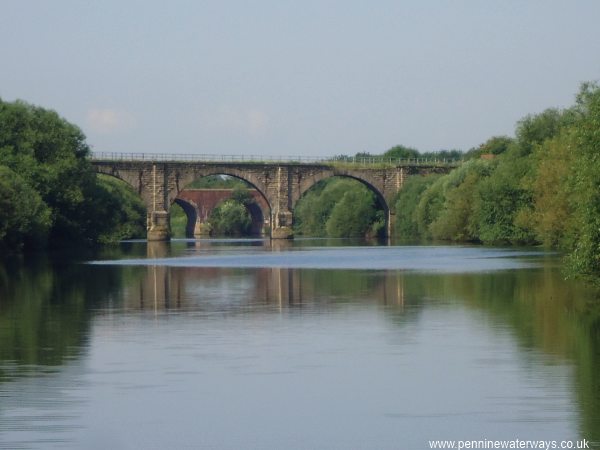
pixel 191 214
pixel 258 218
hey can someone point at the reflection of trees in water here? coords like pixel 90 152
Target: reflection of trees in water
pixel 45 311
pixel 544 312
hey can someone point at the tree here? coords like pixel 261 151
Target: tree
pixel 338 207
pixel 242 196
pixel 496 145
pixel 497 203
pixel 316 206
pixel 402 152
pixel 553 213
pixel 24 217
pixel 50 156
pixel 536 128
pixel 353 215
pixel 429 208
pixel 406 226
pixel 455 221
pixel 230 218
pixel 585 255
pixel 123 212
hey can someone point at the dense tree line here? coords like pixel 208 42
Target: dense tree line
pixel 403 152
pixel 540 187
pixel 49 192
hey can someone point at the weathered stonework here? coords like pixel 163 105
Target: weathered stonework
pixel 281 185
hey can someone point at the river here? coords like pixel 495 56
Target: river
pixel 310 344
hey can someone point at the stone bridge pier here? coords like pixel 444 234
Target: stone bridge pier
pixel 280 185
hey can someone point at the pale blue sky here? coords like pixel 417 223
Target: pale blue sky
pixel 296 78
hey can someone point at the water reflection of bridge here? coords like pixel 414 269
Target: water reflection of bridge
pixel 166 287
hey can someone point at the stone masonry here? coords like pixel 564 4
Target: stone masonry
pixel 281 185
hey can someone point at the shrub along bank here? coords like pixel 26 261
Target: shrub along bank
pixel 540 187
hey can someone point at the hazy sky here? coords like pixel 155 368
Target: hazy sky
pixel 296 78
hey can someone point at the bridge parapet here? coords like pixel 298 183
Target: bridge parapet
pixel 341 160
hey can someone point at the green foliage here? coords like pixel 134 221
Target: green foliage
pixel 339 207
pixel 542 187
pixel 491 201
pixel 314 209
pixel 56 182
pixel 429 208
pixel 534 129
pixel 23 215
pixel 553 212
pixel 443 154
pixel 497 204
pixel 585 255
pixel 445 208
pixel 406 205
pixel 241 195
pixel 123 213
pixel 49 153
pixel 455 220
pixel 402 152
pixel 230 218
pixel 493 146
pixel 501 199
pixel 46 310
pixel 352 215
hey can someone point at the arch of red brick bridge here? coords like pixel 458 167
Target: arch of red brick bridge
pixel 198 205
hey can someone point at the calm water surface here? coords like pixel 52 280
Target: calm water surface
pixel 303 345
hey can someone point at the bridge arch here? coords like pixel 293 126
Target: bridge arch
pixel 199 204
pixel 186 178
pixel 134 180
pixel 371 183
pixel 128 177
pixel 159 178
pixel 260 212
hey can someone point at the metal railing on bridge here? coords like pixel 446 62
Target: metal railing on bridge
pixel 262 159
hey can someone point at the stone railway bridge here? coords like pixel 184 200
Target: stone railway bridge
pixel 280 183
